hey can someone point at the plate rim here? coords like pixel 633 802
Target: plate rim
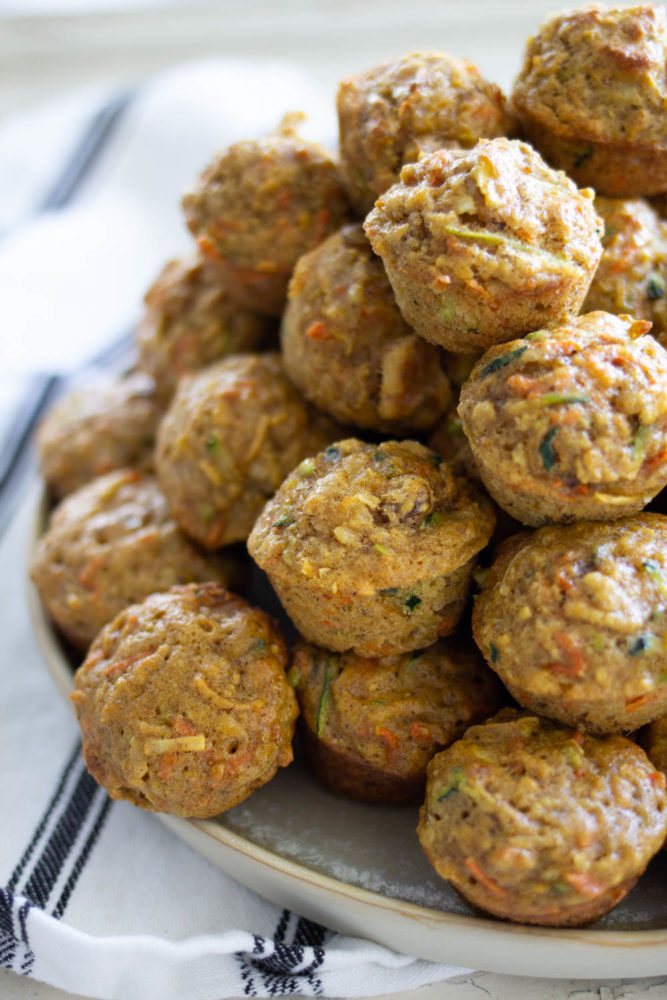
pixel 233 853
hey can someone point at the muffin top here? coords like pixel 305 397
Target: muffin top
pixel 102 425
pixel 535 820
pixel 190 321
pixel 364 517
pixel 231 434
pixel 495 214
pixel 394 712
pixel 577 614
pixel 583 406
pixel 393 112
pixel 631 277
pixel 263 202
pixel 183 701
pixel 109 544
pixel 599 73
pixel 347 346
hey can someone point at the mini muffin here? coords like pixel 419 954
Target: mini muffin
pixel 258 207
pixel 190 321
pixel 632 274
pixel 533 822
pixel 573 618
pixel 571 422
pixel 229 438
pixel 347 347
pixel 110 544
pixel 486 244
pixel 394 112
pixel 592 97
pixel 370 547
pixel 371 726
pixel 183 703
pixel 104 425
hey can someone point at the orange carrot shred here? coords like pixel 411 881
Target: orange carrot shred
pixel 420 731
pixel 183 727
pixel 391 739
pixel 482 877
pixel 632 704
pixel 575 664
pixel 89 570
pixel 584 883
pixel 167 764
pixel 318 331
pixel 115 667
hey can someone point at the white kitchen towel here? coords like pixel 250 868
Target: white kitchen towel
pixel 73 279
pixel 99 898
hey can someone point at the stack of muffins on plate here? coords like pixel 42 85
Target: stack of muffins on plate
pixel 467 389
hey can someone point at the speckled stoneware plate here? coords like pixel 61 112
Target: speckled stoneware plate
pixel 360 869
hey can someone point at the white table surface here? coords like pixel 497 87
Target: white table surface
pixel 43 56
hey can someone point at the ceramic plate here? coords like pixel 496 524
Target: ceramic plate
pixel 360 869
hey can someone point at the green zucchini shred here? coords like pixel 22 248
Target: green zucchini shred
pixel 582 157
pixel 655 287
pixel 640 644
pixel 556 398
pixel 502 361
pixel 307 467
pixel 325 699
pixel 547 453
pixel 411 602
pixel 456 779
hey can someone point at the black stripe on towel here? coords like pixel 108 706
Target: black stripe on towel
pixel 44 821
pixel 312 934
pixel 80 862
pixel 283 969
pixel 15 951
pixel 57 848
pixel 89 147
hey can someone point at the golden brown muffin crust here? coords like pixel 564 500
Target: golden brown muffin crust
pixel 232 433
pixel 374 724
pixel 631 277
pixel 183 703
pixel 259 206
pixel 190 322
pixel 392 113
pixel 104 425
pixel 110 544
pixel 592 93
pixel 370 547
pixel 485 244
pixel 539 824
pixel 347 347
pixel 599 73
pixel 573 619
pixel 571 422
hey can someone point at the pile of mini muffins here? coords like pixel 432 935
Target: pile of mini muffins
pixel 470 395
